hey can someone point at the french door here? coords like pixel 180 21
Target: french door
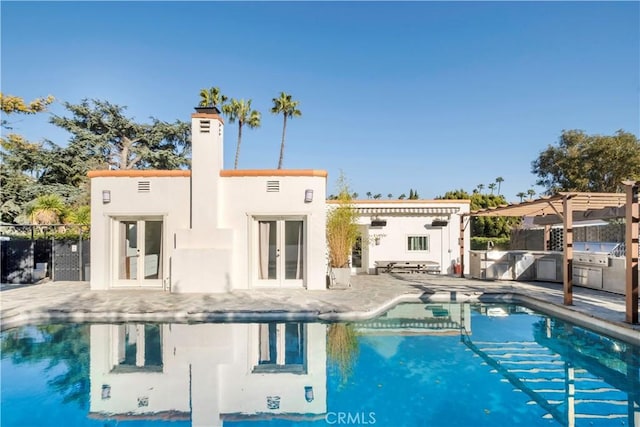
pixel 282 347
pixel 280 252
pixel 138 253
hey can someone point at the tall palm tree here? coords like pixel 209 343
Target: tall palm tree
pixel 521 195
pixel 491 187
pixel 289 108
pixel 241 111
pixel 531 192
pixel 212 97
pixel 499 180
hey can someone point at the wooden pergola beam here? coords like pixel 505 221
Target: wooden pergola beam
pixel 568 207
pixel 461 245
pixel 632 223
pixel 567 272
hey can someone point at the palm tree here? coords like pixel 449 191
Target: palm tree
pixel 492 187
pixel 521 195
pixel 80 215
pixel 531 192
pixel 241 111
pixel 480 187
pixel 369 194
pixel 289 108
pixel 47 209
pixel 212 97
pixel 499 180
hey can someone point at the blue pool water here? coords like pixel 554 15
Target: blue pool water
pixel 427 365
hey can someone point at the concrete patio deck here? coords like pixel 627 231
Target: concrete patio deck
pixel 368 297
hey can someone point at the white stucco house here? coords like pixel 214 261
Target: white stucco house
pixel 208 229
pixel 411 231
pixel 214 230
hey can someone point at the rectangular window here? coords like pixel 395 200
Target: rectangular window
pixel 417 243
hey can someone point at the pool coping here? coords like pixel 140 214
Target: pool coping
pixel 41 315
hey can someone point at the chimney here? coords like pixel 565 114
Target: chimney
pixel 206 162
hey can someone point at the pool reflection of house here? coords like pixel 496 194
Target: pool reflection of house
pixel 215 230
pixel 208 372
pixel 420 319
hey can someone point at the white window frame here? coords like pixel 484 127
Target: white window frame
pixel 410 236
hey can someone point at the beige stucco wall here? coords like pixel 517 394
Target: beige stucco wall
pixel 168 198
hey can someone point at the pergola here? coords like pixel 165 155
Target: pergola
pixel 567 207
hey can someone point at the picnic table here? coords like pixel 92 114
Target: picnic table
pixel 407 266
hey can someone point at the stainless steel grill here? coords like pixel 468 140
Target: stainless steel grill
pixel 593 263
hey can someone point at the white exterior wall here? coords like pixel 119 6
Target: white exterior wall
pixel 168 198
pixel 401 223
pixel 247 198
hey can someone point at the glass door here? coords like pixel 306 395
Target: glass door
pixel 139 253
pixel 280 252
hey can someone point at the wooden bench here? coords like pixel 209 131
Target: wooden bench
pixel 407 267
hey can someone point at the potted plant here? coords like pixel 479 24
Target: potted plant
pixel 342 232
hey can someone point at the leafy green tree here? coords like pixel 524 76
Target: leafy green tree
pixel 590 163
pixel 286 106
pixel 402 196
pixel 485 226
pixel 389 196
pixel 240 111
pixel 100 131
pixel 30 169
pixel 212 97
pixel 413 194
pixel 10 104
pixel 369 194
pixel 377 196
pixel 499 181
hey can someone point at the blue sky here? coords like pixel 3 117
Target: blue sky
pixel 432 96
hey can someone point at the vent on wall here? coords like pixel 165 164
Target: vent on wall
pixel 273 186
pixel 205 126
pixel 144 186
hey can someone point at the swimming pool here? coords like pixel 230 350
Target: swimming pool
pixel 433 365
